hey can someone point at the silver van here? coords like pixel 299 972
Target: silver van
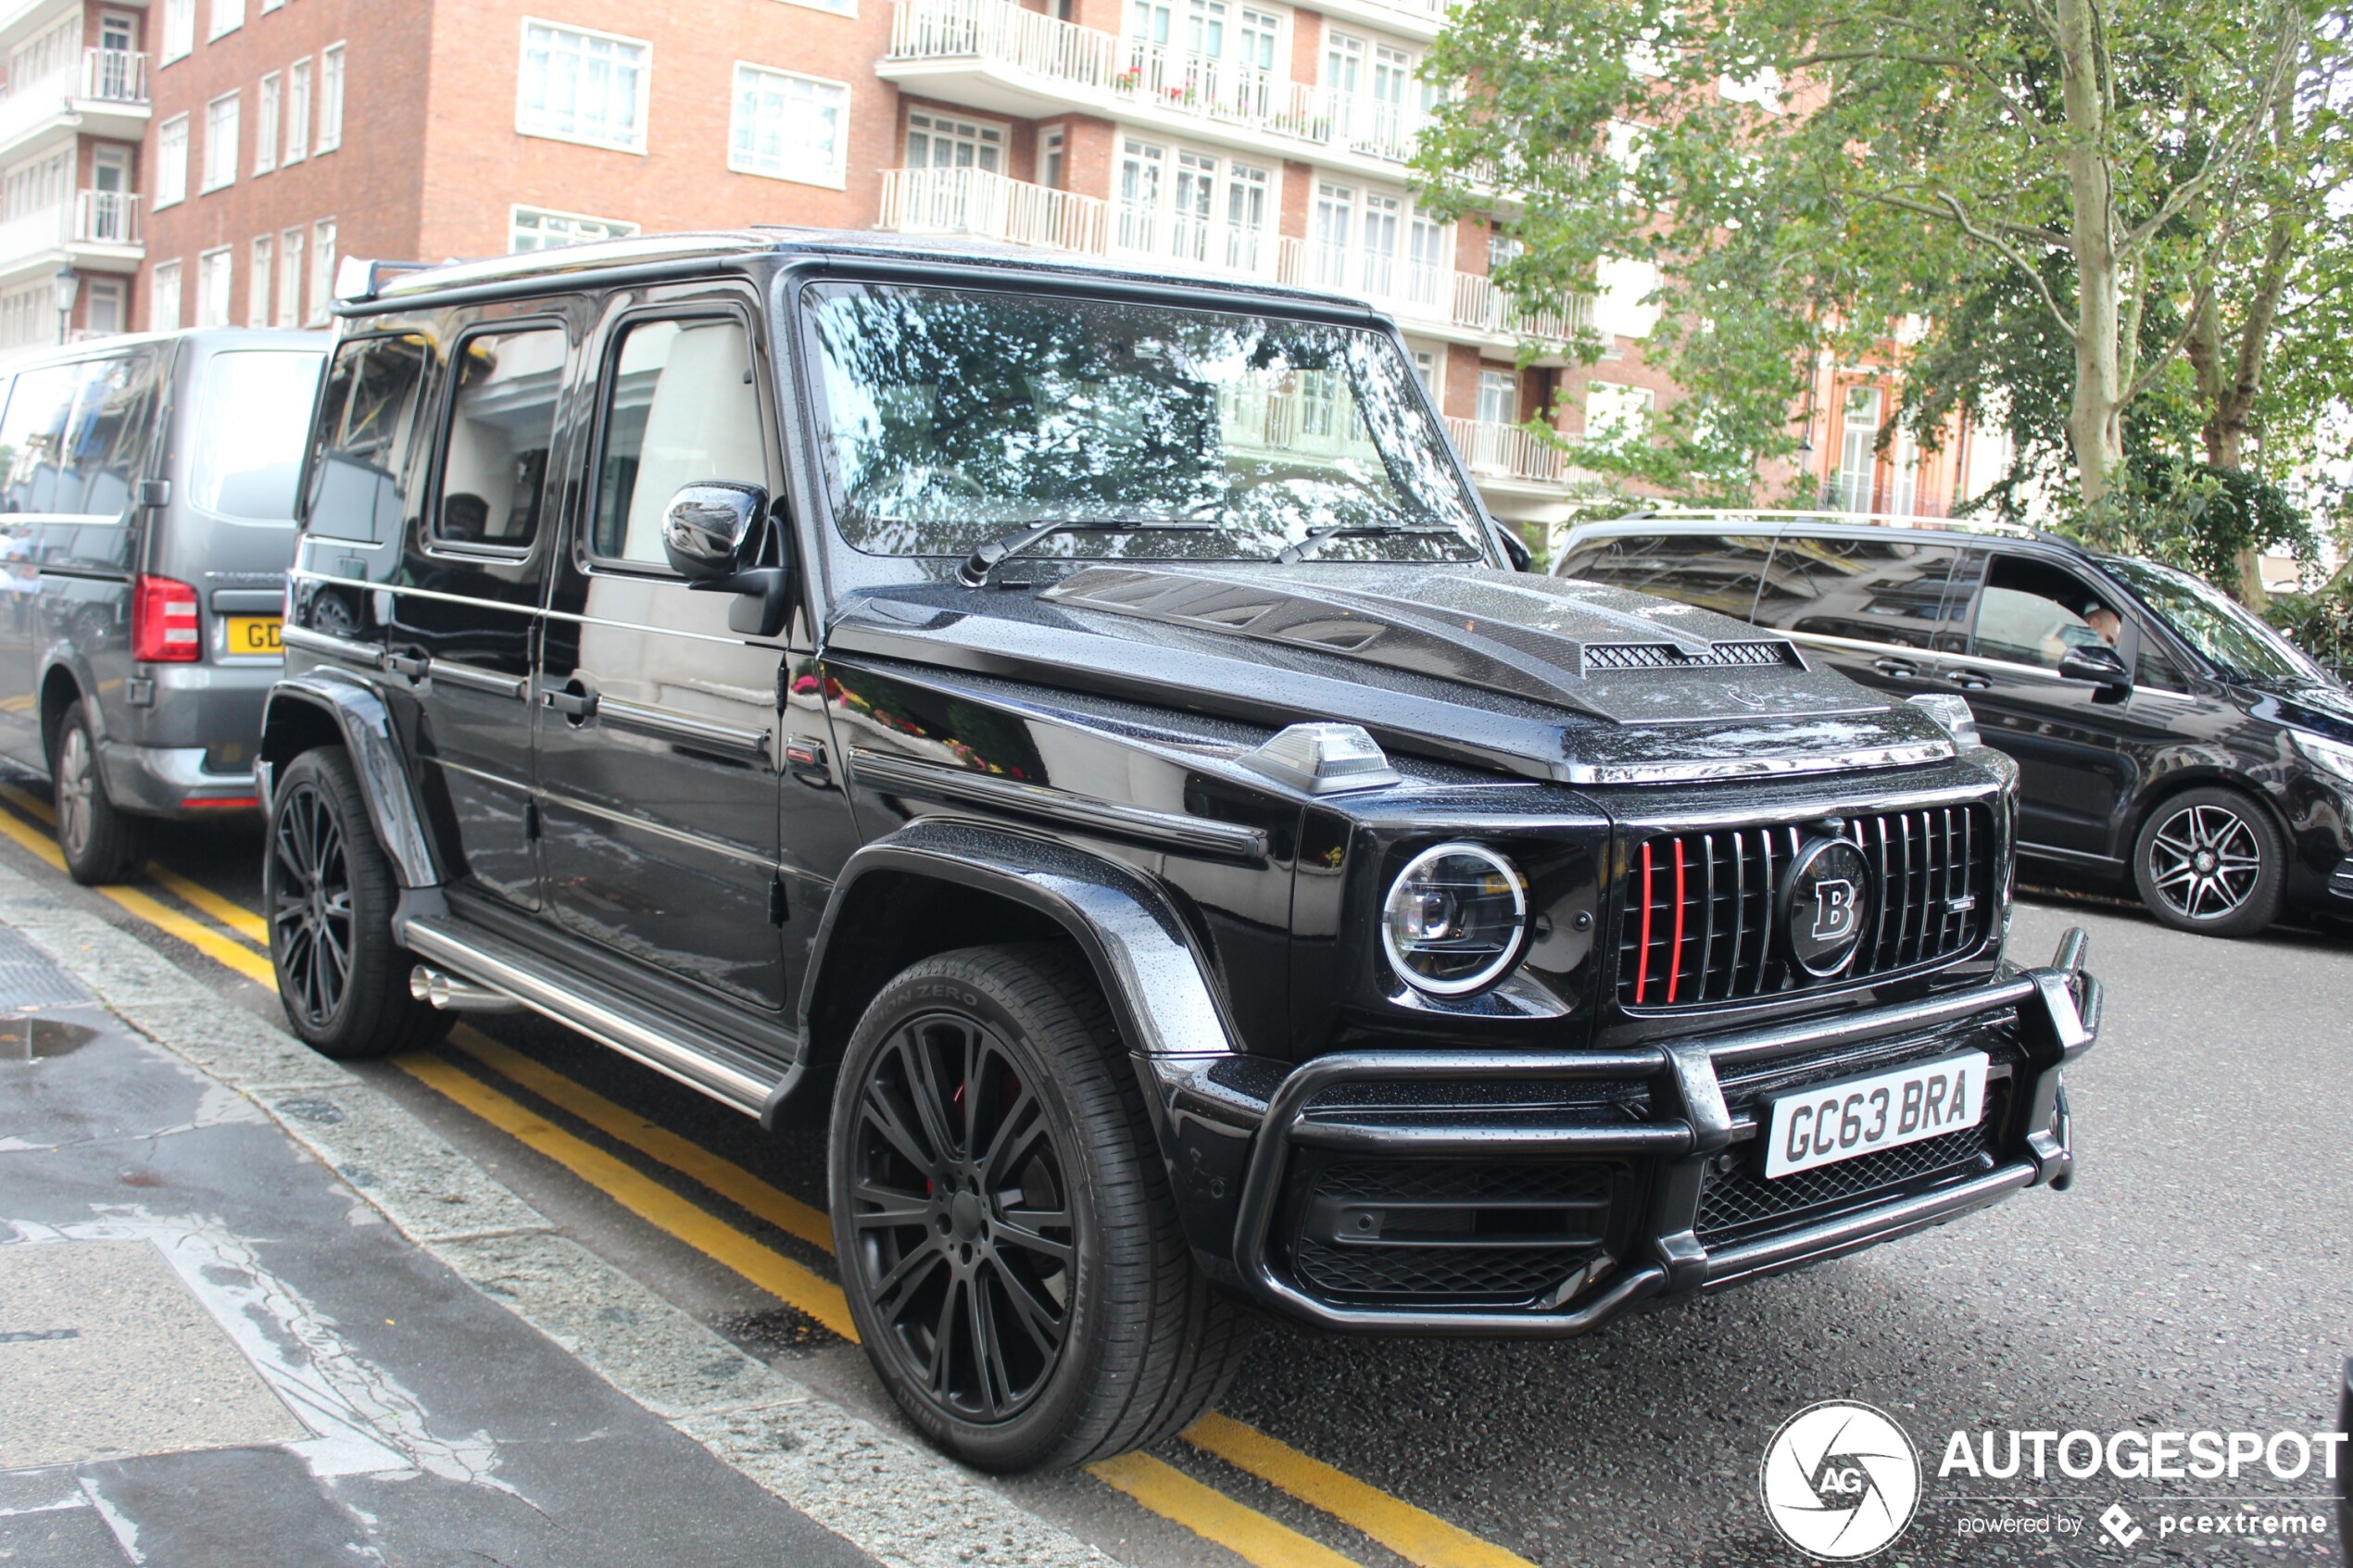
pixel 147 499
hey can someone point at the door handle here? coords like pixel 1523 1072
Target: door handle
pixel 1898 668
pixel 1968 680
pixel 577 707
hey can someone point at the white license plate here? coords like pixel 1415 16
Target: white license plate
pixel 1824 1124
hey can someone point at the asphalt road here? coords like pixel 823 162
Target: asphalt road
pixel 2197 1278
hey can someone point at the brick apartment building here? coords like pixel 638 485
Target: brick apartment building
pixel 226 153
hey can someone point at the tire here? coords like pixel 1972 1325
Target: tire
pixel 101 842
pixel 2211 862
pixel 1099 1333
pixel 329 892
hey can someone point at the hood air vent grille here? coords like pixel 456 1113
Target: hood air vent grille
pixel 1666 656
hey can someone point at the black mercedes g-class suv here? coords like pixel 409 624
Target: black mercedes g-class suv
pixel 1081 727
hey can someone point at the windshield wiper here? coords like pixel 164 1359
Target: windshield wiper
pixel 979 569
pixel 1291 554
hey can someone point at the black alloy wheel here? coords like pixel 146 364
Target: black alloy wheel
pixel 2210 860
pixel 1008 1242
pixel 962 1215
pixel 329 891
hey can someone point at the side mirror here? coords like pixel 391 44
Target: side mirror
pixel 1515 547
pixel 2097 663
pixel 706 526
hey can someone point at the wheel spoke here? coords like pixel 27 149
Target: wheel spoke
pixel 931 1103
pixel 880 1208
pixel 903 1279
pixel 1038 1318
pixel 1012 1231
pixel 885 1117
pixel 989 1358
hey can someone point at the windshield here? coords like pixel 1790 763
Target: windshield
pixel 960 417
pixel 252 412
pixel 2215 624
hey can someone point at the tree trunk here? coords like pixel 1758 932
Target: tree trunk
pixel 2096 416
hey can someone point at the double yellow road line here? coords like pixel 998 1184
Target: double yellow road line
pixel 1413 1534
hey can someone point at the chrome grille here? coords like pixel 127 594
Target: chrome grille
pixel 1700 907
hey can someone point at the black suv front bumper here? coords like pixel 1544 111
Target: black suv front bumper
pixel 1543 1192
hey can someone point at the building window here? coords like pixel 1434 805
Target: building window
pixel 1429 256
pixel 290 278
pixel 221 142
pixel 269 5
pixel 1425 369
pixel 322 269
pixel 163 299
pixel 1499 397
pixel 171 161
pixel 579 86
pixel 42 188
pixel 104 313
pixel 1140 165
pixel 178 28
pixel 265 125
pixel 532 228
pixel 1615 415
pixel 28 317
pixel 788 127
pixel 227 17
pixel 297 112
pixel 258 286
pixel 331 97
pixel 1904 472
pixel 1858 449
pixel 1051 144
pixel 213 282
pixel 937 142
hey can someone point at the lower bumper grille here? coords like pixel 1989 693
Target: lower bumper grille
pixel 1453 1232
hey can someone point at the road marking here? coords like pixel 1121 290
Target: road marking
pixel 236 917
pixel 1412 1533
pixel 684 1156
pixel 640 1194
pixel 1214 1516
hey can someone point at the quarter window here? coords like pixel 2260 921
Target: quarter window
pixel 502 424
pixel 682 408
pixel 363 457
pixel 580 86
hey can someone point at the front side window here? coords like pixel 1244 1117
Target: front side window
pixel 502 424
pixel 365 446
pixel 251 412
pixel 682 409
pixel 959 415
pixel 579 86
pixel 1870 590
pixel 2032 613
pixel 788 126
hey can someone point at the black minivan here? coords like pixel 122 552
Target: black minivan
pixel 2164 733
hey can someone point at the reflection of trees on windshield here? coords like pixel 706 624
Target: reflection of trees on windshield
pixel 959 416
pixel 2215 626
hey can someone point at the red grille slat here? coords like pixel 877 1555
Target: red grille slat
pixel 1675 964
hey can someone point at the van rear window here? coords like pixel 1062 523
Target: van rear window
pixel 252 410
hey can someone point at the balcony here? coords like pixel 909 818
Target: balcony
pixel 1511 453
pixel 987 205
pixel 99 229
pixel 994 55
pixel 107 96
pixel 1422 293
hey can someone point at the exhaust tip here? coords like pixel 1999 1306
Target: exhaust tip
pixel 452 995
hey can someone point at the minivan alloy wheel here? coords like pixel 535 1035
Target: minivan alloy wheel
pixel 77 779
pixel 2204 862
pixel 312 908
pixel 961 1206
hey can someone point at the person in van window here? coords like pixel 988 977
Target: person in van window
pixel 2104 621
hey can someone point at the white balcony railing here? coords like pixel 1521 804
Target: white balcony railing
pixel 1501 451
pixel 106 76
pixel 990 206
pixel 105 218
pixel 1092 64
pixel 1421 290
pixel 114 76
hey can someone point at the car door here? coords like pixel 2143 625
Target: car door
pixel 465 605
pixel 1871 607
pixel 2023 612
pixel 657 767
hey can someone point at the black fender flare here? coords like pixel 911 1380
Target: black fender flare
pixel 357 711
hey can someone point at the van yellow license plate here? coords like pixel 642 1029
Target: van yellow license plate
pixel 254 633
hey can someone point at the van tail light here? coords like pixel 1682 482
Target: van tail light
pixel 163 622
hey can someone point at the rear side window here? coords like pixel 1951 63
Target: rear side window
pixel 104 447
pixel 364 452
pixel 1887 591
pixel 502 424
pixel 252 406
pixel 683 409
pixel 2031 613
pixel 1719 572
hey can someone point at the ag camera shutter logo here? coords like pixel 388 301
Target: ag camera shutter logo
pixel 1840 1481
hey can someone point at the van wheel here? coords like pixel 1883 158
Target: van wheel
pixel 101 843
pixel 342 980
pixel 1007 1239
pixel 2210 860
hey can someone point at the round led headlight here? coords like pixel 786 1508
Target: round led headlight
pixel 1453 919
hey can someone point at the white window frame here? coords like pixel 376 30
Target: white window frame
pixel 215 163
pixel 524 125
pixel 331 64
pixel 298 111
pixel 267 100
pixel 105 290
pixel 321 266
pixel 259 278
pixel 955 124
pixel 1859 448
pixel 166 297
pixel 269 5
pixel 621 227
pixel 227 257
pixel 836 179
pixel 171 162
pixel 179 30
pixel 1167 167
pixel 1629 410
pixel 290 254
pixel 227 17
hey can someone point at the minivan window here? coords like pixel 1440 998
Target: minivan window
pixel 106 444
pixel 364 454
pixel 1870 590
pixel 2029 612
pixel 956 416
pixel 2214 624
pixel 250 410
pixel 32 436
pixel 1719 571
pixel 502 424
pixel 682 408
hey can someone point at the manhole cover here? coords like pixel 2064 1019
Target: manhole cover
pixel 27 978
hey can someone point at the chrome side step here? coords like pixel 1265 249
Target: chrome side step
pixel 489 966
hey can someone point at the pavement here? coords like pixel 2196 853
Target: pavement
pixel 2196 1278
